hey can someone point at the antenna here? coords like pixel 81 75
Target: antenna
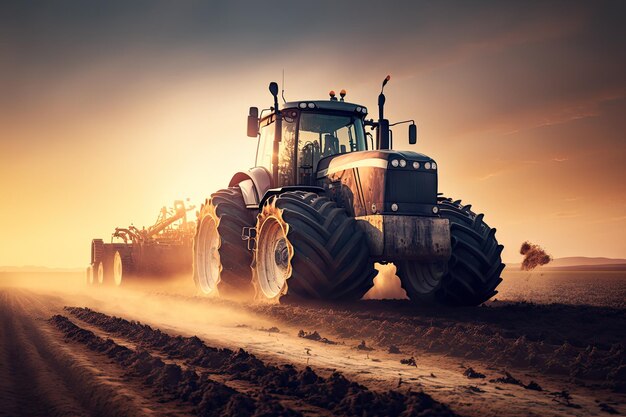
pixel 282 92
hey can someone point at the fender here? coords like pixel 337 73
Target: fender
pixel 276 191
pixel 253 183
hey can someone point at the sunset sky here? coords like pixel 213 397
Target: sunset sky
pixel 110 110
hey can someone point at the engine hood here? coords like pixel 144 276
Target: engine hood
pixel 377 158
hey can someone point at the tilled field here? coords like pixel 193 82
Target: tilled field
pixel 139 353
pixel 182 372
pixel 582 343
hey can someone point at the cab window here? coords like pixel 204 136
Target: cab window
pixel 323 135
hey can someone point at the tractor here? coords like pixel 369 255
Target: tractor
pixel 161 251
pixel 327 200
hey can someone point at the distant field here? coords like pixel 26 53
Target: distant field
pixel 597 288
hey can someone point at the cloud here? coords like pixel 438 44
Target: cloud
pixel 560 159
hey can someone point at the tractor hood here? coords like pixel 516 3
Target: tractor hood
pixel 377 159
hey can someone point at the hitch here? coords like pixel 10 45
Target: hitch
pixel 249 234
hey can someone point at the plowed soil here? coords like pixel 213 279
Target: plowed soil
pixel 101 352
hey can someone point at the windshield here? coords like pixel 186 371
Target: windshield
pixel 321 135
pixel 333 134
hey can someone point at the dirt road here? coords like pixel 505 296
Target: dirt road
pixel 63 353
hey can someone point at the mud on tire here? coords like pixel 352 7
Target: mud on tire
pixel 307 247
pixel 471 275
pixel 226 270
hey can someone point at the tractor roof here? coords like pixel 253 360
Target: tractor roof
pixel 335 105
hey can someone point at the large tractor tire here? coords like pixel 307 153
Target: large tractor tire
pixel 307 247
pixel 472 273
pixel 123 266
pixel 221 261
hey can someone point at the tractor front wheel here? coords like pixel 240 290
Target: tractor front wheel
pixel 307 247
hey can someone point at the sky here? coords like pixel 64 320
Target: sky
pixel 110 110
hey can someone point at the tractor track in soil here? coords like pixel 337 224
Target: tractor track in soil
pixel 253 353
pixel 302 388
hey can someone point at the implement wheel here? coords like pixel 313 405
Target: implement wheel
pixel 123 266
pixel 221 259
pixel 307 247
pixel 472 273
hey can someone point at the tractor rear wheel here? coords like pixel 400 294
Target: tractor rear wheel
pixel 307 247
pixel 221 263
pixel 472 273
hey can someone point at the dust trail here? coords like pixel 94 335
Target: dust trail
pixel 534 256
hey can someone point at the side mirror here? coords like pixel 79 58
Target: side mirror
pixel 273 89
pixel 412 134
pixel 253 122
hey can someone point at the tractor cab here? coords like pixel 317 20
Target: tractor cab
pixel 310 131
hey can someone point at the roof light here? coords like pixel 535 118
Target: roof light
pixel 342 93
pixel 402 163
pixel 427 165
pixel 416 165
pixel 302 105
pixel 358 109
pixel 395 163
pixel 311 105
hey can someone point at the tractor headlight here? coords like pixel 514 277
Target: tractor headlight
pixel 364 110
pixel 427 165
pixel 402 163
pixel 394 207
pixel 302 105
pixel 433 165
pixel 358 109
pixel 416 165
pixel 435 209
pixel 395 163
pixel 311 105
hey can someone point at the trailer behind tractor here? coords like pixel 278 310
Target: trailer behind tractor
pixel 161 251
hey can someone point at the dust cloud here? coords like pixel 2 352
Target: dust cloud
pixel 534 256
pixel 174 303
pixel 386 285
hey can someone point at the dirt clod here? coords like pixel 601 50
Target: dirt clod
pixel 363 346
pixel 315 336
pixel 507 379
pixel 534 256
pixel 472 374
pixel 409 361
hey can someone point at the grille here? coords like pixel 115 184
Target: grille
pixel 415 187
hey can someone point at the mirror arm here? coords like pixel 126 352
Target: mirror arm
pixel 404 121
